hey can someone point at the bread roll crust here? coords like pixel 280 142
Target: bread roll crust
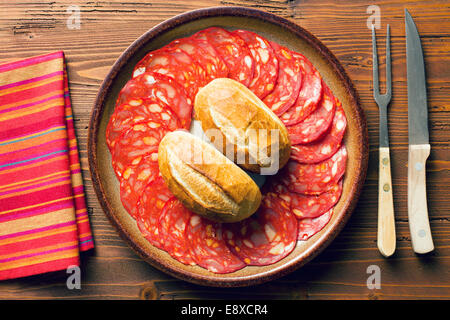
pixel 204 180
pixel 251 134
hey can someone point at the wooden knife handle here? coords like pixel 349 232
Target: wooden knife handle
pixel 419 224
pixel 386 223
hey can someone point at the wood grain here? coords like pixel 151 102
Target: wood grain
pixel 113 271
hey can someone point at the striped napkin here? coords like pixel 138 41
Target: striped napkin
pixel 43 218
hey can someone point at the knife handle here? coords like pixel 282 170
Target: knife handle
pixel 419 225
pixel 386 223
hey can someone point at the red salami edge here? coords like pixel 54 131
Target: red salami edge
pixel 325 147
pixel 267 236
pixel 288 83
pixel 310 226
pixel 315 178
pixel 208 247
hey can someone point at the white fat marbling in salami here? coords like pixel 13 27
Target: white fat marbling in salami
pixel 233 51
pixel 312 206
pixel 326 146
pixel 136 110
pixel 316 124
pixel 208 247
pixel 288 82
pixel 173 221
pixel 134 179
pixel 150 206
pixel 267 236
pixel 164 89
pixel 309 96
pixel 204 54
pixel 176 64
pixel 142 139
pixel 310 226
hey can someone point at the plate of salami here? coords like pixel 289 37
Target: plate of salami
pixel 150 95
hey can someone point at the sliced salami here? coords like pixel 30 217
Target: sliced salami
pixel 204 54
pixel 288 83
pixel 164 89
pixel 233 51
pixel 266 63
pixel 312 206
pixel 150 205
pixel 275 186
pixel 315 178
pixel 267 236
pixel 316 124
pixel 309 96
pixel 310 226
pixel 137 110
pixel 134 180
pixel 176 64
pixel 326 146
pixel 172 230
pixel 208 248
pixel 140 140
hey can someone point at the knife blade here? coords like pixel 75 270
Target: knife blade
pixel 417 91
pixel 418 136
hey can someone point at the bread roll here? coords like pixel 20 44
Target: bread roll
pixel 242 126
pixel 204 180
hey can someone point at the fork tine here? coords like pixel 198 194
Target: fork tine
pixel 376 88
pixel 388 64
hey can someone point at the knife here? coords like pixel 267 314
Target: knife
pixel 419 146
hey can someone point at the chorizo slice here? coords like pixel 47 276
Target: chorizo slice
pixel 233 51
pixel 137 110
pixel 289 81
pixel 316 124
pixel 267 236
pixel 176 64
pixel 312 206
pixel 164 89
pixel 142 139
pixel 326 146
pixel 208 247
pixel 204 54
pixel 149 209
pixel 266 63
pixel 309 96
pixel 310 226
pixel 173 221
pixel 134 180
pixel 315 178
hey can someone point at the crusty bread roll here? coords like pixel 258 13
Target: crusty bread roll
pixel 204 180
pixel 242 126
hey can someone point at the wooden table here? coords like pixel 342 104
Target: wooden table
pixel 114 271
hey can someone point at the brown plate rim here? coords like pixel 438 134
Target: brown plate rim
pixel 300 32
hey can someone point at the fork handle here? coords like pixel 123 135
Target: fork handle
pixel 386 223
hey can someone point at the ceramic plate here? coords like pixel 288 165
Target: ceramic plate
pixel 273 28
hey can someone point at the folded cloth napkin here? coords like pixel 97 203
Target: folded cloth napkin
pixel 43 218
